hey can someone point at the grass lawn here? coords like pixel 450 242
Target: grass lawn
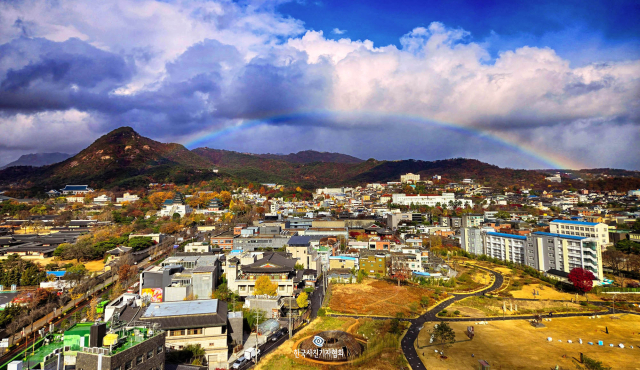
pixel 378 297
pixel 487 307
pixel 383 350
pixel 518 345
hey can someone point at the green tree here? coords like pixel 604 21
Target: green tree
pixel 503 215
pixel 140 242
pixel 299 266
pixel 197 354
pixel 443 335
pixel 592 364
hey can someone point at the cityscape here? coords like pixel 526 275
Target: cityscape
pixel 280 185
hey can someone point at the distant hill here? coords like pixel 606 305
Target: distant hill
pixel 452 169
pixel 275 170
pixel 120 158
pixel 125 159
pixel 38 159
pixel 310 156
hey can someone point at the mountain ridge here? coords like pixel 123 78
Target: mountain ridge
pixel 38 159
pixel 123 158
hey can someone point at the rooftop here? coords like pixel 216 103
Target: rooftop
pixel 575 222
pixel 508 235
pixel 564 236
pixel 181 308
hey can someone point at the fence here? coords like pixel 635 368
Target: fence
pixel 615 290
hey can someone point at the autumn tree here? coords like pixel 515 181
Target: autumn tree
pixel 92 313
pixel 303 300
pixel 264 286
pixel 156 199
pixel 581 279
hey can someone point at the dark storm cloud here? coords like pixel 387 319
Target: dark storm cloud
pixel 70 74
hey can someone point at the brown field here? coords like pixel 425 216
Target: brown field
pixel 547 292
pixel 377 297
pixel 518 345
pixel 487 307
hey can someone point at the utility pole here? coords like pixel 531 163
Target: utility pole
pixel 257 325
pixel 614 304
pixel 290 334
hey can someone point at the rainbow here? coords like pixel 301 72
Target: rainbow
pixel 548 159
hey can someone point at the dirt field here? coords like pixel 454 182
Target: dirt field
pixel 549 293
pixel 518 345
pixel 377 297
pixel 487 307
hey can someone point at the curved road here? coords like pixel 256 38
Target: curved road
pixel 416 324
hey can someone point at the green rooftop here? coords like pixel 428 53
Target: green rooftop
pixel 127 339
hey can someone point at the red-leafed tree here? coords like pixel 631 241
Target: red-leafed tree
pixel 581 279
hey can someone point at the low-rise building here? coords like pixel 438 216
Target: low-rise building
pixel 202 322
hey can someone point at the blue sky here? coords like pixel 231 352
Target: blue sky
pixel 517 84
pixel 579 30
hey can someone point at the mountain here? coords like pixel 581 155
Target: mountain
pixel 120 158
pixel 255 167
pixel 310 156
pixel 125 159
pixel 38 159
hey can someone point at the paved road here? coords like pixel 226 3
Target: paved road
pixel 269 346
pixel 316 300
pixel 416 324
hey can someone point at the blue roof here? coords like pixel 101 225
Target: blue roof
pixel 342 258
pixel 575 237
pixel 76 187
pixel 575 222
pixel 299 240
pixel 512 236
pixel 56 273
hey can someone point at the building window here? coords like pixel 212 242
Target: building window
pixel 139 360
pixel 159 349
pixel 149 354
pixel 128 365
pixel 194 331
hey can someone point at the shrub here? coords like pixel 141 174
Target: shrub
pixel 322 312
pixel 456 312
pixel 442 313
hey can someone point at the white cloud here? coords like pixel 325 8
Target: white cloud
pixel 250 58
pixel 337 31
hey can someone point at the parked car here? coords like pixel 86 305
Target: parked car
pixel 277 335
pixel 239 362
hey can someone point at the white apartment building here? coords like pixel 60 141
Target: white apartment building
pixel 507 247
pixel 598 231
pixel 430 200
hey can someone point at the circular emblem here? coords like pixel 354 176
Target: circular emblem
pixel 318 341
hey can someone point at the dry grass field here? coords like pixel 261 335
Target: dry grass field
pixel 488 307
pixel 92 266
pixel 377 297
pixel 518 345
pixel 547 292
